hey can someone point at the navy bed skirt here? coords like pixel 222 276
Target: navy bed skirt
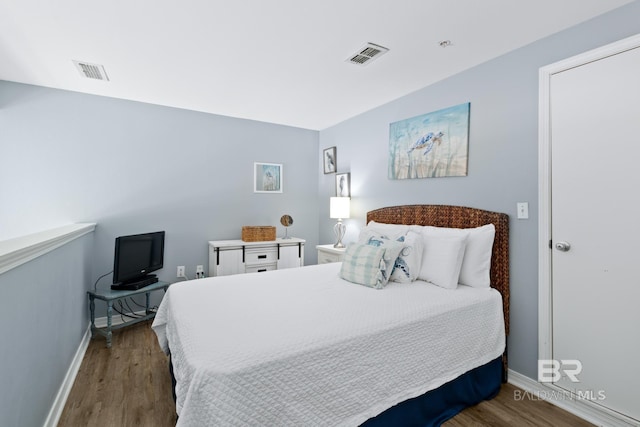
pixel 437 406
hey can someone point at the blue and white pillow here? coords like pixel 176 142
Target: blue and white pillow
pixel 364 264
pixel 407 266
pixel 391 231
pixel 393 249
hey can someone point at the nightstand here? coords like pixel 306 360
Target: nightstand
pixel 327 253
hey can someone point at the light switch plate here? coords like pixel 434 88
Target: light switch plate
pixel 523 210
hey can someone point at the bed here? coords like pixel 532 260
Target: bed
pixel 305 346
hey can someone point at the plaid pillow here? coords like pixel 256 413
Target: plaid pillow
pixel 393 249
pixel 363 264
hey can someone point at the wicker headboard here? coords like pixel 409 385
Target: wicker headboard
pixel 459 217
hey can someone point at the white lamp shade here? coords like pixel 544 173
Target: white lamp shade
pixel 339 207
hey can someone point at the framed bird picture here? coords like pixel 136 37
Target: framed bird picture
pixel 267 177
pixel 430 146
pixel 343 184
pixel 329 160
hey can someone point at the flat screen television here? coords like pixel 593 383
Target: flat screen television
pixel 135 257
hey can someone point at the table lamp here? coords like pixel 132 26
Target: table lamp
pixel 339 208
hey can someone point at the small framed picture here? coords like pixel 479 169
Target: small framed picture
pixel 329 160
pixel 267 178
pixel 343 184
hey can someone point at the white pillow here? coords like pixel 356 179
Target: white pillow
pixel 390 231
pixel 477 257
pixel 442 260
pixel 392 249
pixel 476 264
pixel 409 260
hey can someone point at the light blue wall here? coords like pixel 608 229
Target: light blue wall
pixel 132 167
pixel 43 317
pixel 503 156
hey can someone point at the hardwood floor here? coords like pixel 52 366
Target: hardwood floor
pixel 129 385
pixel 505 410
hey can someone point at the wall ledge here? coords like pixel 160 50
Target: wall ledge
pixel 15 252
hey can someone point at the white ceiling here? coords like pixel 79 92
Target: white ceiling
pixel 279 61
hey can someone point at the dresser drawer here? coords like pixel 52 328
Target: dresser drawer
pixel 260 268
pixel 260 256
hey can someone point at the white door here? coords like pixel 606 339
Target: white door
pixel 595 208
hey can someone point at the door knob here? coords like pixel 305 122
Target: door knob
pixel 563 246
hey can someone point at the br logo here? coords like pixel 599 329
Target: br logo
pixel 550 370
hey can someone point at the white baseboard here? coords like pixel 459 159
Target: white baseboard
pixel 584 409
pixel 65 388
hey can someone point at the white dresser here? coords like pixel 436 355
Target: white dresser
pixel 327 253
pixel 237 256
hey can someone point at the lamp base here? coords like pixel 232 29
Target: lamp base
pixel 339 230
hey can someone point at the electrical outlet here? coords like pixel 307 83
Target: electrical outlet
pixel 199 271
pixel 181 272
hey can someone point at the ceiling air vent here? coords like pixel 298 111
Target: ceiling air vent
pixel 91 71
pixel 367 53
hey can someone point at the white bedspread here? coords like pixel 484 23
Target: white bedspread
pixel 302 347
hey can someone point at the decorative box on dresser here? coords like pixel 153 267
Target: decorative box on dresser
pixel 228 257
pixel 327 253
